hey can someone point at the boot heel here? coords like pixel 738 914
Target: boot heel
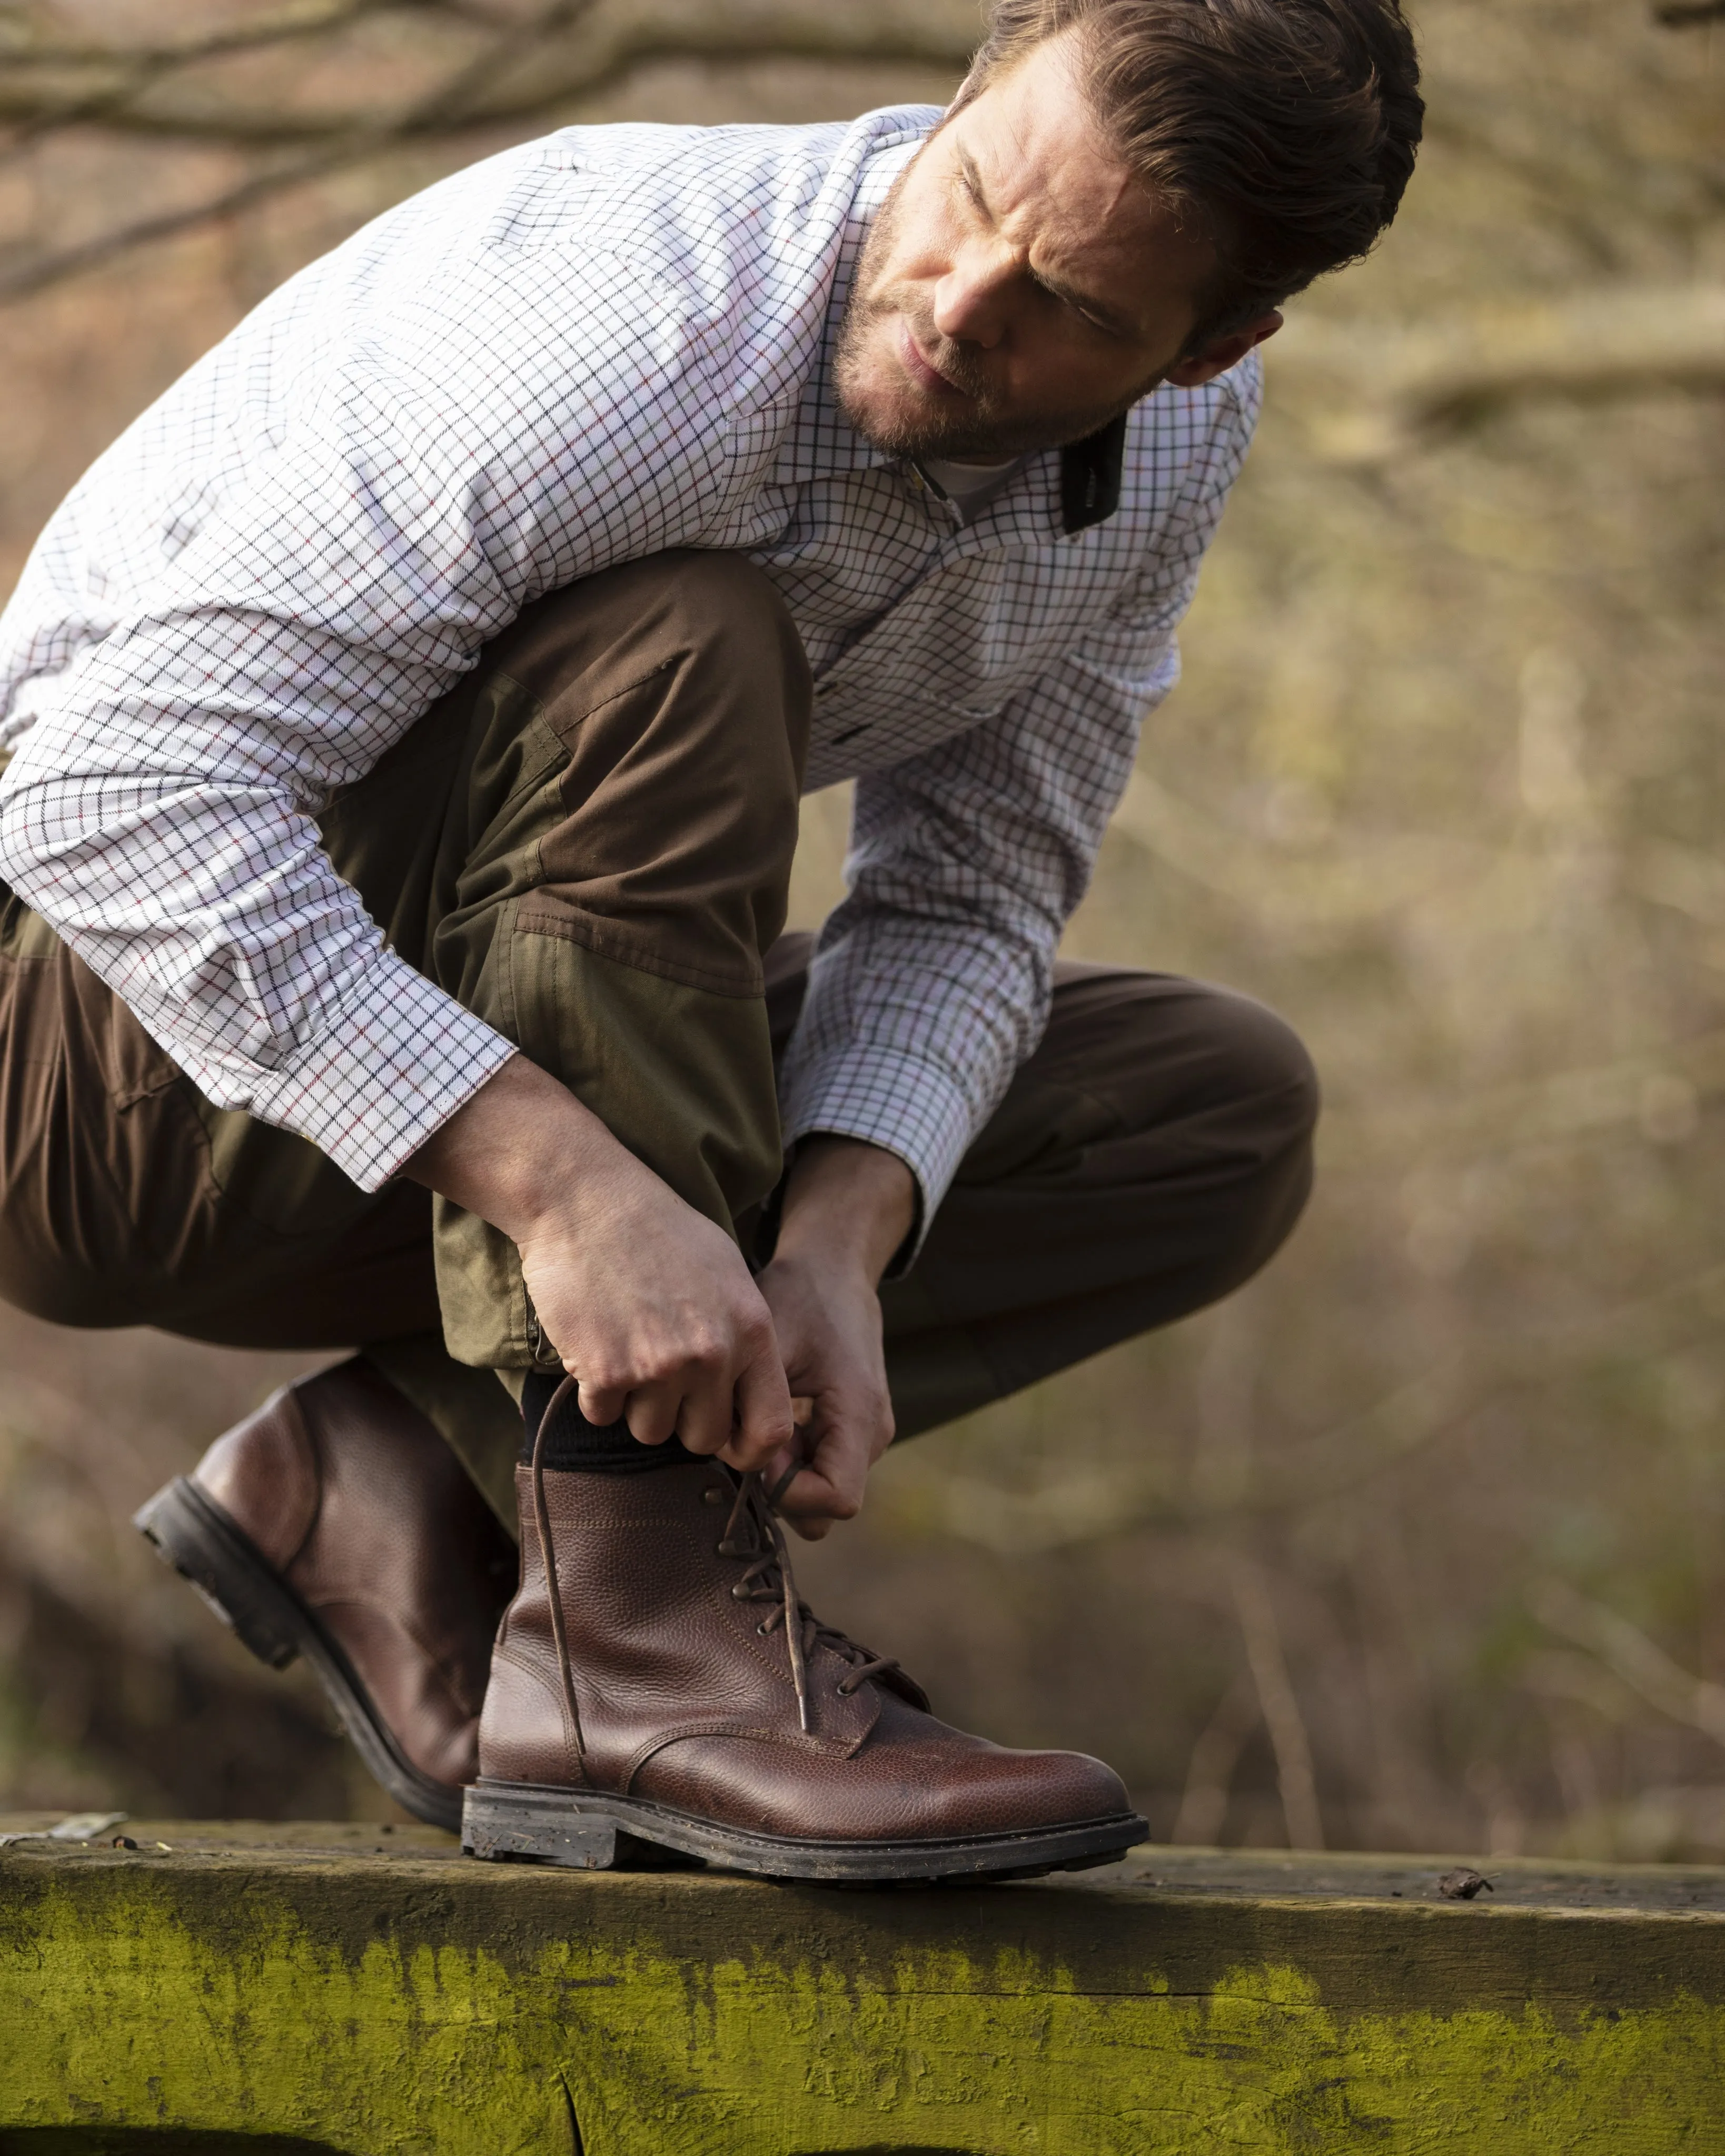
pixel 192 1532
pixel 210 1555
pixel 498 1822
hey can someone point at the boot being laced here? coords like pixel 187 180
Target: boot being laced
pixel 653 1682
pixel 768 1577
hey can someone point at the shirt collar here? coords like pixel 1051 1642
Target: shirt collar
pixel 1092 475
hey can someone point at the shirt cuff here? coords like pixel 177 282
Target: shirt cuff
pixel 894 1101
pixel 394 1068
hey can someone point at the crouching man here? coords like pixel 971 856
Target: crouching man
pixel 407 719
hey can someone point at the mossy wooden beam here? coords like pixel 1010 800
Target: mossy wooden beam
pixel 273 1991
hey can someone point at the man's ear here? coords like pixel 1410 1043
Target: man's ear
pixel 1224 352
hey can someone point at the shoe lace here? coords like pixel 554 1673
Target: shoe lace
pixel 549 1558
pixel 766 1577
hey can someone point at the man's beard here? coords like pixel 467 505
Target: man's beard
pixel 982 432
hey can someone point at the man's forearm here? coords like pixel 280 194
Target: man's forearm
pixel 524 1149
pixel 848 1208
pixel 847 1203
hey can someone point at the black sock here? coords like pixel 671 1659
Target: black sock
pixel 592 1448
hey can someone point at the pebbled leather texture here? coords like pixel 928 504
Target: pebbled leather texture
pixel 351 1494
pixel 684 1700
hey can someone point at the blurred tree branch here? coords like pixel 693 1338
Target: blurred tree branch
pixel 45 85
pixel 1214 1757
pixel 511 70
pixel 1679 14
pixel 1267 1662
pixel 1370 399
pixel 1632 1657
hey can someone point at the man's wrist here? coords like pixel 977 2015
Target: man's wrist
pixel 520 1153
pixel 847 1203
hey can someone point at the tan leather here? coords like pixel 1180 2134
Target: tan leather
pixel 264 1474
pixel 352 1497
pixel 686 1697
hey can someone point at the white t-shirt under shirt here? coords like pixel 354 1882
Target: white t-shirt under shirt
pixel 967 487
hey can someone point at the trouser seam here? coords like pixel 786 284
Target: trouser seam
pixel 543 708
pixel 595 934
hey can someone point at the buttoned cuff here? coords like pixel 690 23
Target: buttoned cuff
pixel 908 1106
pixel 393 1070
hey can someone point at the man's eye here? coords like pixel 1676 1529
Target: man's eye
pixel 1090 321
pixel 1071 306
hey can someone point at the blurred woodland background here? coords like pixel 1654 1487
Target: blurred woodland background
pixel 1419 1543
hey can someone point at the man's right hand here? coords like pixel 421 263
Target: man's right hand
pixel 650 1305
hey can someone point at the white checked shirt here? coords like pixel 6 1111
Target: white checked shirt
pixel 603 344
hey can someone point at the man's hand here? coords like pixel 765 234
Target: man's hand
pixel 847 1208
pixel 649 1304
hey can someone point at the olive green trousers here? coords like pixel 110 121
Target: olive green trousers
pixel 588 843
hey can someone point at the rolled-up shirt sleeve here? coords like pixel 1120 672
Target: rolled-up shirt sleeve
pixel 930 981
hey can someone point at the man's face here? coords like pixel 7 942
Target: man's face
pixel 1018 287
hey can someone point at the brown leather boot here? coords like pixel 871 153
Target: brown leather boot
pixel 336 1523
pixel 665 1684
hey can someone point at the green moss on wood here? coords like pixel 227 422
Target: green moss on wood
pixel 412 2005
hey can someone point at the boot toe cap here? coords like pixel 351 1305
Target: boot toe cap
pixel 937 1791
pixel 1051 1788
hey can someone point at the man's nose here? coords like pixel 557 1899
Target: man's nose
pixel 972 301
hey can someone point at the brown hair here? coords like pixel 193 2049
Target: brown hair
pixel 1287 129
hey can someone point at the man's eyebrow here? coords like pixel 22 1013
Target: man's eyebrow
pixel 1087 304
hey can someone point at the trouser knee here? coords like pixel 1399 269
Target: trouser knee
pixel 1230 1099
pixel 1183 1117
pixel 667 703
pixel 1266 1073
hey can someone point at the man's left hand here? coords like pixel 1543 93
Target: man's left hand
pixel 847 1208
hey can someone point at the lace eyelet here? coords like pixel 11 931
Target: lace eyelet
pixel 712 1497
pixel 760 1631
pixel 843 1689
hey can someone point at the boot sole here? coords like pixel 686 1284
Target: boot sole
pixel 591 1832
pixel 208 1549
